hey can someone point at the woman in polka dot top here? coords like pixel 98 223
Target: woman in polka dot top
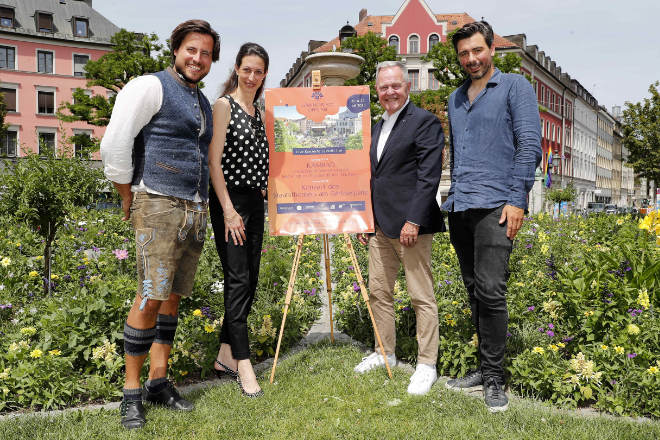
pixel 238 164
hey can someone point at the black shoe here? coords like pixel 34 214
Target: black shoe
pixel 226 372
pixel 470 382
pixel 245 393
pixel 494 395
pixel 168 397
pixel 132 414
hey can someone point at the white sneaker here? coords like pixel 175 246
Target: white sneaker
pixel 422 379
pixel 374 360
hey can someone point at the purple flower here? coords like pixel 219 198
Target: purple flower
pixel 531 308
pixel 406 308
pixel 121 254
pixel 529 245
pixel 447 282
pixel 356 288
pixel 318 274
pixel 275 283
pixel 551 326
pixel 313 292
pixel 568 339
pixel 613 382
pixel 508 335
pixel 541 329
pixel 350 268
pixel 550 333
pixel 631 355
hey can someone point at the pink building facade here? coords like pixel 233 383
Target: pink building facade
pixel 43 52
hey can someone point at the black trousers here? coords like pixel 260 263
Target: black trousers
pixel 483 251
pixel 240 264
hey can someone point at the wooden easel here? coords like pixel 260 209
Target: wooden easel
pixel 316 85
pixel 363 290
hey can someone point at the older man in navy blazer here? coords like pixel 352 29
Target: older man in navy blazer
pixel 406 163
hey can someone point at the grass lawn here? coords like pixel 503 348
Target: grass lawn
pixel 317 396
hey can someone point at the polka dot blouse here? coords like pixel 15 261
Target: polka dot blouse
pixel 245 157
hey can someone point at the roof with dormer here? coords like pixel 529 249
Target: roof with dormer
pixel 63 11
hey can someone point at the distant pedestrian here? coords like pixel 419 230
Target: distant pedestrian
pixel 495 148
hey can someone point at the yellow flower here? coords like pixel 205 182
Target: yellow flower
pixel 652 370
pixel 588 313
pixel 618 349
pixel 538 350
pixel 619 221
pixel 54 277
pixel 183 373
pixel 5 262
pixel 18 244
pixel 54 352
pixel 209 328
pixel 36 353
pixel 475 340
pixel 5 374
pixel 544 249
pixel 5 390
pixel 561 344
pixel 454 302
pixel 34 274
pixel 13 346
pixel 197 313
pixel 643 299
pixel 39 257
pixel 604 347
pixel 632 329
pixel 28 331
pixel 553 347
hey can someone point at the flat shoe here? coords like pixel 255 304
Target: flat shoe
pixel 226 372
pixel 245 393
pixel 132 414
pixel 168 397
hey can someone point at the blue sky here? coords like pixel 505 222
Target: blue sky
pixel 610 47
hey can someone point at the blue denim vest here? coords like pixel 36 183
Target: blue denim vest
pixel 169 154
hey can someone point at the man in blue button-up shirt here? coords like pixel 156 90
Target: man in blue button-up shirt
pixel 495 142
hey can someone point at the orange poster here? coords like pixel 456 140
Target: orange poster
pixel 319 160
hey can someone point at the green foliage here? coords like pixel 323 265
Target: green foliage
pixel 41 189
pixel 558 195
pixel 374 50
pixel 583 300
pixel 641 134
pixel 66 348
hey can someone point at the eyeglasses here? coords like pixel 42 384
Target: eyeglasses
pixel 247 72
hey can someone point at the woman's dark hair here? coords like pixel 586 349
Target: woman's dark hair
pixel 472 28
pixel 199 26
pixel 246 49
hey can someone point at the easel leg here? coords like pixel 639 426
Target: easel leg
pixel 287 300
pixel 363 290
pixel 328 282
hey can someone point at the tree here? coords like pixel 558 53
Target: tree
pixel 133 55
pixel 641 135
pixel 374 50
pixel 559 195
pixel 40 189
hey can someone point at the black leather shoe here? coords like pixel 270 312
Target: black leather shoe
pixel 132 414
pixel 168 397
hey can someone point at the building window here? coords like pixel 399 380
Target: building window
pixel 46 102
pixel 79 62
pixel 82 141
pixel 433 84
pixel 553 132
pixel 46 142
pixel 9 96
pixel 547 130
pixel 394 42
pixel 80 27
pixel 413 76
pixel 7 57
pixel 45 22
pixel 547 99
pixel 8 143
pixel 44 61
pixel 413 44
pixel 433 40
pixel 6 17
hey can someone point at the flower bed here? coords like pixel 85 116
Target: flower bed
pixel 583 312
pixel 67 348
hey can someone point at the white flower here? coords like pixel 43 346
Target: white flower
pixel 2 287
pixel 81 223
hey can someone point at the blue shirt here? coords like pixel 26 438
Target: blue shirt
pixel 495 144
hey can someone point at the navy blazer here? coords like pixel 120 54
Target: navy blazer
pixel 405 181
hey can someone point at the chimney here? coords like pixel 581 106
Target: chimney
pixel 363 14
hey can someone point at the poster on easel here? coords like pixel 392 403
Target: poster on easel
pixel 319 160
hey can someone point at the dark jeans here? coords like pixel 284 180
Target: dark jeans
pixel 240 264
pixel 483 251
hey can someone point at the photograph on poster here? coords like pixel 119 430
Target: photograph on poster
pixel 334 135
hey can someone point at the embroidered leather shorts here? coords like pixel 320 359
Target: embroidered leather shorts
pixel 169 237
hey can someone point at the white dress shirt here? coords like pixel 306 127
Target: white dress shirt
pixel 386 129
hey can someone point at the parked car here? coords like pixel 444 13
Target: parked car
pixel 595 207
pixel 610 209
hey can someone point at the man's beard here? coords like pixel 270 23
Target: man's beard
pixel 480 74
pixel 185 77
